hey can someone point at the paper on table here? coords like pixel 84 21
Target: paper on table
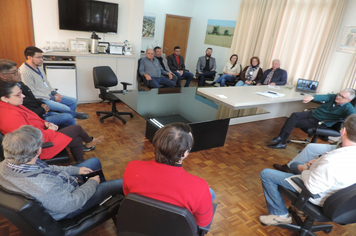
pixel 221 96
pixel 291 182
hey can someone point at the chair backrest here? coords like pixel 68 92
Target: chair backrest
pixel 141 79
pixel 139 215
pixel 104 76
pixel 341 206
pixel 27 215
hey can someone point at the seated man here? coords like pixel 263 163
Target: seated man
pixel 336 106
pixel 9 72
pixel 330 173
pixel 274 76
pixel 33 76
pixel 176 65
pixel 151 69
pixel 55 187
pixel 164 63
pixel 164 179
pixel 206 67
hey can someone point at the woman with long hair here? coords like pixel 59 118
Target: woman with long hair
pixel 231 70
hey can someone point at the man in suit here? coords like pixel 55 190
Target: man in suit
pixel 176 65
pixel 151 69
pixel 9 72
pixel 274 76
pixel 206 66
pixel 164 64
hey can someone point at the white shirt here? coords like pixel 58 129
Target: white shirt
pixel 330 173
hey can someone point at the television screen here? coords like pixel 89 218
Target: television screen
pixel 87 15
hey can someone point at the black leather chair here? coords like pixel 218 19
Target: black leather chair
pixel 104 77
pixel 144 216
pixel 31 217
pixel 62 157
pixel 339 207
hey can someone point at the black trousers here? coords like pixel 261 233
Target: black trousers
pixel 78 135
pixel 208 74
pixel 299 120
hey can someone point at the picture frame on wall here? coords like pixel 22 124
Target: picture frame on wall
pixel 148 25
pixel 348 40
pixel 78 45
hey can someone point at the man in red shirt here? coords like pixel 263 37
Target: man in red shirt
pixel 176 65
pixel 165 179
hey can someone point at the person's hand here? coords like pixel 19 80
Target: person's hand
pixel 307 99
pixel 45 107
pixel 170 76
pixel 180 72
pixel 147 77
pixel 52 126
pixel 248 82
pixel 303 167
pixel 272 84
pixel 84 170
pixel 200 72
pixel 58 97
pixel 212 69
pixel 96 178
pixel 258 84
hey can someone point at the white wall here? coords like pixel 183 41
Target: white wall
pixel 200 11
pixel 340 62
pixel 46 24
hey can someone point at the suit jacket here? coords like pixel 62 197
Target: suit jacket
pixel 279 76
pixel 202 61
pixel 173 65
pixel 165 63
pixel 30 102
pixel 13 117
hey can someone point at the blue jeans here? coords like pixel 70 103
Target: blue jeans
pixel 186 74
pixel 241 83
pixel 61 119
pixel 311 151
pixel 270 180
pixel 68 104
pixel 223 78
pixel 212 194
pixel 103 190
pixel 157 81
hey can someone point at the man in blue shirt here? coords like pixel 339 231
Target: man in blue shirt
pixel 336 106
pixel 152 70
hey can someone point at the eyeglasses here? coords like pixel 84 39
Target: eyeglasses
pixel 13 73
pixel 38 58
pixel 341 96
pixel 19 94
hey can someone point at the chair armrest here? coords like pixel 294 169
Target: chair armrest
pixel 326 121
pixel 102 87
pixel 304 196
pixel 125 85
pixel 47 144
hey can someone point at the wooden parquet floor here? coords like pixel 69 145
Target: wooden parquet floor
pixel 232 171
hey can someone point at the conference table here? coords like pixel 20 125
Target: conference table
pixel 242 103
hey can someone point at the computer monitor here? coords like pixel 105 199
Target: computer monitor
pixel 307 86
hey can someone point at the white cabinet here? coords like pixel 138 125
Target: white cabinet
pixel 126 72
pixel 85 83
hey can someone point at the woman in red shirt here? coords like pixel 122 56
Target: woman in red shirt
pixel 14 115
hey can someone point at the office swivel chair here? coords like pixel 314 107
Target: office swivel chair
pixel 340 207
pixel 62 157
pixel 104 77
pixel 144 216
pixel 32 218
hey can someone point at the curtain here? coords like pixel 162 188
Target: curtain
pixel 350 81
pixel 300 33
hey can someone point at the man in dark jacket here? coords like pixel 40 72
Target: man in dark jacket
pixel 9 72
pixel 274 76
pixel 176 65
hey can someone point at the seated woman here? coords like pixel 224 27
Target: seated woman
pixel 14 115
pixel 55 187
pixel 251 74
pixel 231 70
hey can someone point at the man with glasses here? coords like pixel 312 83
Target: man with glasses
pixel 10 73
pixel 35 78
pixel 335 107
pixel 328 174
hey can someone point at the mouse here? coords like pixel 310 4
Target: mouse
pixel 302 93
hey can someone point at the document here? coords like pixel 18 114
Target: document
pixel 271 94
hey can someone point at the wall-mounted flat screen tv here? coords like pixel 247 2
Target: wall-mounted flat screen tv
pixel 88 15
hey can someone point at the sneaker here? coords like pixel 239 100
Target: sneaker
pixel 275 220
pixel 82 116
pixel 86 149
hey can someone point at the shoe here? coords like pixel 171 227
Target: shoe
pixel 276 140
pixel 278 146
pixel 86 149
pixel 217 85
pixel 95 141
pixel 283 168
pixel 213 83
pixel 298 212
pixel 275 220
pixel 82 116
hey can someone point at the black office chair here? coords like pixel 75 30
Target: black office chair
pixel 31 217
pixel 144 216
pixel 233 83
pixel 62 157
pixel 104 77
pixel 339 207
